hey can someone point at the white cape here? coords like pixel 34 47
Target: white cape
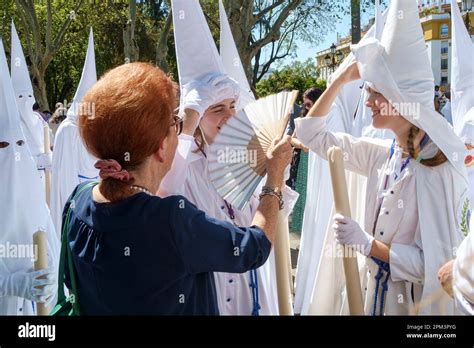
pixel 463 275
pixel 462 85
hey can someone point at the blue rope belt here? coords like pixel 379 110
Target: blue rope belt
pixel 254 287
pixel 383 267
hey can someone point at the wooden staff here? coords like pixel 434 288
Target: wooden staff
pixel 282 265
pixel 47 173
pixel 41 262
pixel 341 202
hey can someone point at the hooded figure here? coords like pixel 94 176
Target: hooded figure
pixel 462 107
pixel 316 274
pixel 231 60
pixel 72 164
pixel 207 89
pixel 462 88
pixel 23 211
pixel 32 123
pixel 417 192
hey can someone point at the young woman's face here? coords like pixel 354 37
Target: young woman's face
pixel 307 103
pixel 384 115
pixel 216 117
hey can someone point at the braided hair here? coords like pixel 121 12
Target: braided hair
pixel 438 159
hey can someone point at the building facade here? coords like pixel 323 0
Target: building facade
pixel 436 24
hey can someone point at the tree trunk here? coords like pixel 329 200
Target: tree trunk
pixel 355 21
pixel 41 52
pixel 129 44
pixel 162 46
pixel 39 89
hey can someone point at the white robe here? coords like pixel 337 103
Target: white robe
pixel 72 165
pixel 446 112
pixel 189 177
pixel 434 237
pixel 33 128
pixel 319 201
pixel 463 275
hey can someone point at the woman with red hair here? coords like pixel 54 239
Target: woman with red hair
pixel 127 243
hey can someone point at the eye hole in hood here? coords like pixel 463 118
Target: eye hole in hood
pixel 3 144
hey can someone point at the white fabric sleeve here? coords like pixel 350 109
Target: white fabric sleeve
pixel 360 154
pixel 463 276
pixel 174 180
pixel 406 263
pixel 44 161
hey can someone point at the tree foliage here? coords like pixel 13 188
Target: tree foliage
pixel 54 35
pixel 297 76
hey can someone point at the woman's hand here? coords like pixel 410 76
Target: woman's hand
pixel 445 276
pixel 279 156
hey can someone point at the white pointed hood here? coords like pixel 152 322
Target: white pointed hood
pixel 32 123
pixel 19 69
pixel 231 59
pixel 9 115
pixel 23 209
pixel 375 31
pixel 88 79
pixel 196 51
pixel 363 119
pixel 398 66
pixel 379 20
pixel 462 77
pixel 353 96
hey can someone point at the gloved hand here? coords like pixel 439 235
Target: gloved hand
pixel 348 232
pixel 44 161
pixel 25 285
pixel 200 95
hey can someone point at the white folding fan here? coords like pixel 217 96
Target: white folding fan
pixel 237 156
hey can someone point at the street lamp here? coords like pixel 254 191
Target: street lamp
pixel 334 59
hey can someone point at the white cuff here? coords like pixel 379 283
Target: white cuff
pixel 290 198
pixel 307 128
pixel 406 263
pixel 44 161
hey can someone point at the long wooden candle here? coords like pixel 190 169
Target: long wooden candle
pixel 341 202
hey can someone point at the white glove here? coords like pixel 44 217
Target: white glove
pixel 25 285
pixel 348 232
pixel 212 89
pixel 44 161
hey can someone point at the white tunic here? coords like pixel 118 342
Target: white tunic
pixel 399 219
pixel 72 165
pixel 189 177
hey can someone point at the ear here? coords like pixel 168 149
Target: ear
pixel 160 153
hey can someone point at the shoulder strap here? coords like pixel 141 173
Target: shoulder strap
pixel 66 251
